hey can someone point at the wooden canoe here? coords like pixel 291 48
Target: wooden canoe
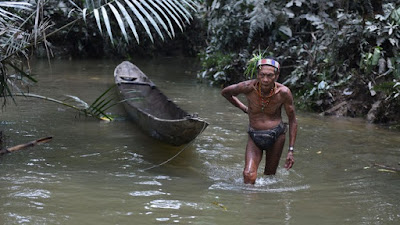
pixel 148 107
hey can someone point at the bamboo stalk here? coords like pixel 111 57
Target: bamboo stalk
pixel 26 145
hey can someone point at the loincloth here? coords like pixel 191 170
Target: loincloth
pixel 264 139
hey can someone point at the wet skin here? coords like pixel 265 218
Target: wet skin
pixel 264 119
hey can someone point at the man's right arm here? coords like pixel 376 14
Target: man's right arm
pixel 232 91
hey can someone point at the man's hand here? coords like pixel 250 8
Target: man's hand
pixel 289 160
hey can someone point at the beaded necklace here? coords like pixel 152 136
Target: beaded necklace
pixel 265 99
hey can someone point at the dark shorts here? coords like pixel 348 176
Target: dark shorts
pixel 264 139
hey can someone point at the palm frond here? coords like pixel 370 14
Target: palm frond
pixel 171 13
pixel 6 15
pixel 107 23
pixel 3 81
pixel 21 71
pixel 12 39
pixel 191 4
pixel 16 39
pixel 120 22
pixel 141 19
pixel 155 16
pixel 149 18
pixel 150 14
pixel 48 99
pixel 128 20
pixel 158 17
pixel 98 109
pixel 18 5
pixel 35 27
pixel 82 104
pixel 97 17
pixel 75 5
pixel 165 16
pixel 180 10
pixel 84 13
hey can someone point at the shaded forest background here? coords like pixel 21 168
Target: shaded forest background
pixel 339 57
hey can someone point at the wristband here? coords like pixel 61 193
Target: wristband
pixel 291 149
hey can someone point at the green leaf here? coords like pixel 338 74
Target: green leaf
pixel 396 15
pixel 97 17
pixel 182 10
pixel 21 71
pixel 8 15
pixel 107 23
pixel 190 4
pixel 84 14
pixel 176 10
pixel 159 19
pixel 251 70
pixel 141 19
pixel 286 30
pixel 128 20
pixel 149 18
pixel 323 85
pixel 376 56
pixel 178 20
pixel 165 17
pixel 298 2
pixel 17 5
pixel 119 20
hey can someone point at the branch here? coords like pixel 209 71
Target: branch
pixel 387 167
pixel 26 145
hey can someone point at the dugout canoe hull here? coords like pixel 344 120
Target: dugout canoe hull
pixel 152 111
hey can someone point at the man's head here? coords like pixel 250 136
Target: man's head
pixel 269 62
pixel 267 72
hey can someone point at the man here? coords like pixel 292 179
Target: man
pixel 265 98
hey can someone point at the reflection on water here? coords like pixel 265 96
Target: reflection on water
pixel 92 172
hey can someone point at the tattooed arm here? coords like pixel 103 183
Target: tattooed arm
pixel 232 91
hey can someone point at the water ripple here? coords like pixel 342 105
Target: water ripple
pixel 170 204
pixel 147 193
pixel 152 182
pixel 32 194
pixel 254 188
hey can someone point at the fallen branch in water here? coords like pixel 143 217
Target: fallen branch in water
pixel 387 167
pixel 26 145
pixel 97 109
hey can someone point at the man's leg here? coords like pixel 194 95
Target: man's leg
pixel 273 155
pixel 253 159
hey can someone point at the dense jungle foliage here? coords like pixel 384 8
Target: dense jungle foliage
pixel 338 56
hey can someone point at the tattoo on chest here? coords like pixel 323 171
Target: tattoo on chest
pixel 265 99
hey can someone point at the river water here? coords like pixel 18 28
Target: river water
pixel 93 172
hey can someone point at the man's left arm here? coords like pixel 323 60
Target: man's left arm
pixel 291 114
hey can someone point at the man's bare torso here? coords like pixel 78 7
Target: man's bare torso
pixel 269 116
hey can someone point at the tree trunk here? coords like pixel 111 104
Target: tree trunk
pixel 372 113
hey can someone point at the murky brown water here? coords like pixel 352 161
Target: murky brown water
pixel 91 173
